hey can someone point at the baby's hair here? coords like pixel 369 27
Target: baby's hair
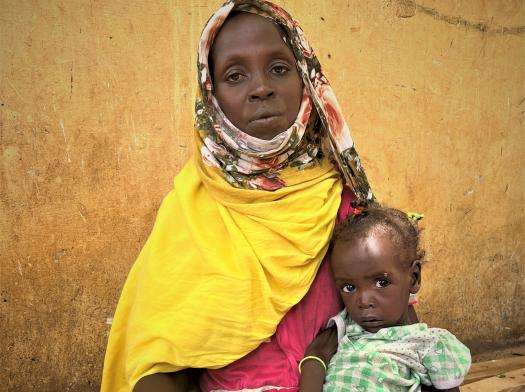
pixel 403 231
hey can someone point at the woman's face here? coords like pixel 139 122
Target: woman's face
pixel 255 77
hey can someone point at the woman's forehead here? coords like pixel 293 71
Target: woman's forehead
pixel 243 30
pixel 246 21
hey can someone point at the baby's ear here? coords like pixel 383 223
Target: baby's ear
pixel 415 276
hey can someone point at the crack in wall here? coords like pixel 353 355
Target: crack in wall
pixel 459 21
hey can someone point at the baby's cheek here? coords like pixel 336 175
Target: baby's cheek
pixel 349 306
pixel 396 304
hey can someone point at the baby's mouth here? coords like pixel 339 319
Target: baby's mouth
pixel 371 321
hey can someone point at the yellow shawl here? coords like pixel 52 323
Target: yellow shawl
pixel 220 269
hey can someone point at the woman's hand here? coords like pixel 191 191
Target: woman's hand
pixel 324 347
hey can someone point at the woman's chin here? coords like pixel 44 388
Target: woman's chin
pixel 266 129
pixel 269 135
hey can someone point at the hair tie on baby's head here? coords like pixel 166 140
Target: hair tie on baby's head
pixel 359 213
pixel 358 210
pixel 360 207
pixel 415 216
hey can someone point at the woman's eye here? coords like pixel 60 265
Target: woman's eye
pixel 348 288
pixel 280 69
pixel 381 283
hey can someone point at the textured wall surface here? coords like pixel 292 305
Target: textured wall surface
pixel 96 105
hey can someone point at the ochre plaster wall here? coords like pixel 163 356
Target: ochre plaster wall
pixel 96 105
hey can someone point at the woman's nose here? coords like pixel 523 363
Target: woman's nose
pixel 261 89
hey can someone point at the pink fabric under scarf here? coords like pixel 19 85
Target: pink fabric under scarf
pixel 273 366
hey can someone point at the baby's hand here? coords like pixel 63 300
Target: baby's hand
pixel 324 345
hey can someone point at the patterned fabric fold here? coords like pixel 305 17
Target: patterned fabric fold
pixel 253 163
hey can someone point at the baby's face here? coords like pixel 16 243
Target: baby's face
pixel 374 281
pixel 255 77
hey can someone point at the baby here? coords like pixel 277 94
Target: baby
pixel 376 263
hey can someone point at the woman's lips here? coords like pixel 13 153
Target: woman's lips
pixel 264 114
pixel 265 121
pixel 268 120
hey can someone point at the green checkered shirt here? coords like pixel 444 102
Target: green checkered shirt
pixel 395 359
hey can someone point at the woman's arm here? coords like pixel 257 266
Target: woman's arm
pixel 162 382
pixel 312 377
pixel 183 381
pixel 324 347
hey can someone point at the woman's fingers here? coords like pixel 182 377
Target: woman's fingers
pixel 324 345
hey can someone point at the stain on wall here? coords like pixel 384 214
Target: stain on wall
pixel 96 105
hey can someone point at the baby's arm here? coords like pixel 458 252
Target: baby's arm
pixel 313 372
pixel 447 362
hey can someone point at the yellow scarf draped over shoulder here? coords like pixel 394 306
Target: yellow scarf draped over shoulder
pixel 219 271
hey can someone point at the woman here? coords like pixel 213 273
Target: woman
pixel 240 239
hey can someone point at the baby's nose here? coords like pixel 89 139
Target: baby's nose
pixel 365 300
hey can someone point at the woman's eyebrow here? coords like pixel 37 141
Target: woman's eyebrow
pixel 239 56
pixel 231 60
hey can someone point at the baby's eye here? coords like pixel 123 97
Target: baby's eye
pixel 381 283
pixel 234 77
pixel 348 288
pixel 280 69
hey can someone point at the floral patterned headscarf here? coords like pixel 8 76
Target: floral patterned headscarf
pixel 249 162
